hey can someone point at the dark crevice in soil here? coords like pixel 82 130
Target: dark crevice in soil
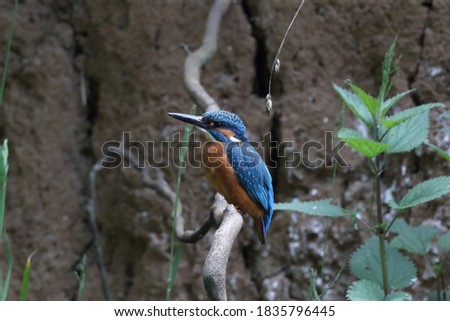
pixel 92 104
pixel 274 161
pixel 260 61
pixel 413 77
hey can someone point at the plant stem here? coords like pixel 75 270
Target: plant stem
pixel 380 230
pixel 8 50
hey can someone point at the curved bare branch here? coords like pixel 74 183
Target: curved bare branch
pixel 195 60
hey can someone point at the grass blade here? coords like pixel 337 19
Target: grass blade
pixel 3 176
pixel 9 261
pixel 175 254
pixel 81 275
pixel 8 50
pixel 26 277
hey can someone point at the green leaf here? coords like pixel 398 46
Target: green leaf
pixel 444 243
pixel 408 128
pixel 393 100
pixel 320 208
pixel 356 105
pixel 372 104
pixel 407 135
pixel 439 151
pixel 388 70
pixel 367 147
pixel 3 176
pixel 365 290
pixel 398 296
pixel 3 161
pixel 80 272
pixel 365 263
pixel 25 279
pixel 424 192
pixel 9 260
pixel 411 112
pixel 391 123
pixel 414 239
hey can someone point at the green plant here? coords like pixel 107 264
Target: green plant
pixel 80 273
pixel 4 166
pixel 4 285
pixel 26 277
pixel 379 265
pixel 383 271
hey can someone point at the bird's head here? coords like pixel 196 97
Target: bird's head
pixel 222 125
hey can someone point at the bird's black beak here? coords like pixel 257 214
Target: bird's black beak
pixel 190 119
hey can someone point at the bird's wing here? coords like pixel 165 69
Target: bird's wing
pixel 254 176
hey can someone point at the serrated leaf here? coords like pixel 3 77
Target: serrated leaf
pixel 444 243
pixel 372 104
pixel 414 239
pixel 391 123
pixel 365 263
pixel 407 135
pixel 398 296
pixel 367 147
pixel 411 112
pixel 320 208
pixel 425 192
pixel 365 290
pixel 356 105
pixel 388 70
pixel 393 100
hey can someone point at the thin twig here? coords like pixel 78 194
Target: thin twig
pixel 276 60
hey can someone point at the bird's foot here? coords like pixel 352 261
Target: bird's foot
pixel 239 209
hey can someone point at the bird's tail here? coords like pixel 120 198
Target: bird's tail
pixel 260 230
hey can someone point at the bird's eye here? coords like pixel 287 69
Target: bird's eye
pixel 217 124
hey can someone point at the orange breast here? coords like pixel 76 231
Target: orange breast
pixel 221 176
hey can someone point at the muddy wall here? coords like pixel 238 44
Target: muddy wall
pixel 84 72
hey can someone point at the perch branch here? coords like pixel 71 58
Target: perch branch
pixel 197 59
pixel 214 270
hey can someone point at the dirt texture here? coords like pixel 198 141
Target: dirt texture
pixel 82 73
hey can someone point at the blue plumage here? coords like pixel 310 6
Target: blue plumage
pixel 254 176
pixel 223 119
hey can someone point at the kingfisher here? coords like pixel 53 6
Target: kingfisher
pixel 233 166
